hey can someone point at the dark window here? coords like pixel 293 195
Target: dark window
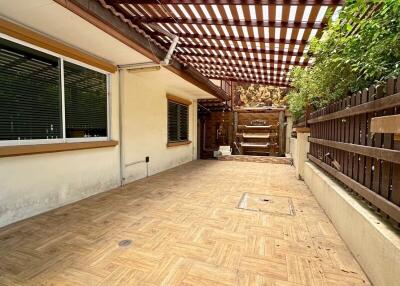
pixel 85 102
pixel 30 93
pixel 31 97
pixel 178 122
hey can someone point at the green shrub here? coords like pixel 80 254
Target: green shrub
pixel 360 48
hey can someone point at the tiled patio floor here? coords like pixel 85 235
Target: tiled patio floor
pixel 186 230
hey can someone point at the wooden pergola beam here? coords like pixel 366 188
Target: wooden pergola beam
pixel 279 62
pixel 248 81
pixel 234 49
pixel 233 2
pixel 238 74
pixel 237 39
pixel 243 74
pixel 229 22
pixel 240 58
pixel 206 30
pixel 93 12
pixel 222 67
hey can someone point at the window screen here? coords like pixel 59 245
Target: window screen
pixel 178 121
pixel 30 93
pixel 85 102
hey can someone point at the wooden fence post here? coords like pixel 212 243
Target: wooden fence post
pixel 282 138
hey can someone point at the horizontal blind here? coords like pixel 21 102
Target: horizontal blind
pixel 183 122
pixel 30 93
pixel 172 121
pixel 85 102
pixel 178 116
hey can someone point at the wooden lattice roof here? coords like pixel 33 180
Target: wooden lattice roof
pixel 245 41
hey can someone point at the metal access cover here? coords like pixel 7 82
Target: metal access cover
pixel 268 204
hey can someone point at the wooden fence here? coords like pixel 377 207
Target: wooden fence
pixel 300 122
pixel 341 143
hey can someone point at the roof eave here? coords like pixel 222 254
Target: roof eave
pixel 93 12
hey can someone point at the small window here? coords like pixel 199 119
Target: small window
pixel 85 102
pixel 30 93
pixel 178 122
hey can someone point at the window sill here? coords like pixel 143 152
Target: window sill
pixel 178 143
pixel 9 151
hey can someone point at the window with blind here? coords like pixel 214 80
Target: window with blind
pixel 30 94
pixel 32 97
pixel 85 102
pixel 178 122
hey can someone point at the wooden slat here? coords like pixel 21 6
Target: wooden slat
pixel 363 137
pixel 228 22
pixel 377 142
pixel 395 195
pixel 373 152
pixel 236 2
pixel 201 48
pixel 234 38
pixel 357 130
pixel 388 144
pixel 369 159
pixel 372 106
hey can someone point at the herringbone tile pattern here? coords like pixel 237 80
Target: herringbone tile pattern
pixel 186 230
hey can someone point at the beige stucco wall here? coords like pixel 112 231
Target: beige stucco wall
pixel 145 127
pixel 33 184
pixel 289 127
pixel 299 147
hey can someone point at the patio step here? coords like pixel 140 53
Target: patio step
pixel 259 135
pixel 258 126
pixel 255 145
pixel 256 159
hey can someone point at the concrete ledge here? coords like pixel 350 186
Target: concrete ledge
pixel 256 159
pixel 374 243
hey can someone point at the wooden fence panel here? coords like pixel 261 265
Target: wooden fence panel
pixel 342 144
pixel 395 195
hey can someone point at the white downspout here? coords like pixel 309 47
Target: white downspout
pixel 121 127
pixel 152 66
pixel 171 50
pixel 138 67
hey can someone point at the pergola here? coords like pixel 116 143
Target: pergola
pixel 253 41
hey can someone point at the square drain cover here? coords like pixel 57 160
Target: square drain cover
pixel 268 204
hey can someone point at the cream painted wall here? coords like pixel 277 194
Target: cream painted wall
pixel 33 184
pixel 145 126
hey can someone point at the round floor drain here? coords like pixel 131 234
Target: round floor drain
pixel 125 243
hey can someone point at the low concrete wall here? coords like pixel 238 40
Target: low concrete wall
pixel 299 148
pixel 375 245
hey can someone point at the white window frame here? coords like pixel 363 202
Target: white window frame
pixel 63 139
